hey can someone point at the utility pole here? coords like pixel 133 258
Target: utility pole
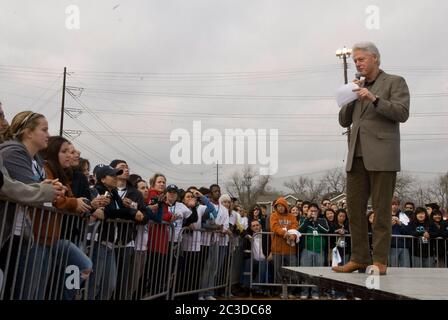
pixel 247 183
pixel 344 54
pixel 217 173
pixel 61 127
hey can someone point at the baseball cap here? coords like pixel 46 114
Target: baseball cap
pixel 172 187
pixel 103 170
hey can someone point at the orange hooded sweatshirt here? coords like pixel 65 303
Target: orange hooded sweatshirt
pixel 280 223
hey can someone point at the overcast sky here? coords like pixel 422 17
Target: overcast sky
pixel 149 67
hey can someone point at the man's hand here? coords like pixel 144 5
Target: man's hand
pixel 364 93
pixel 139 216
pixel 103 201
pixel 128 203
pixel 99 202
pixel 360 83
pixel 395 220
pixel 97 215
pixel 197 194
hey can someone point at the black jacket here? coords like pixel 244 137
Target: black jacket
pixel 80 185
pixel 126 236
pixel 420 247
pixel 115 210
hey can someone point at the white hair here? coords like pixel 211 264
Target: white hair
pixel 224 197
pixel 369 47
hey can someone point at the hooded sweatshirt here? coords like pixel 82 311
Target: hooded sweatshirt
pixel 19 163
pixel 280 224
pixel 19 166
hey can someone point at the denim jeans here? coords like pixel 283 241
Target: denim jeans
pixel 399 257
pixel 42 260
pixel 210 270
pixel 421 262
pixel 311 259
pixel 259 272
pixel 288 260
pixel 76 257
pixel 103 280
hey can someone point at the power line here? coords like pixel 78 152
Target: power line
pixel 241 115
pixel 125 142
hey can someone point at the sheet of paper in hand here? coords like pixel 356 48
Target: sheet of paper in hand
pixel 345 94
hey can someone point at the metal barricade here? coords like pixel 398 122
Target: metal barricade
pixel 50 254
pixel 40 255
pixel 203 263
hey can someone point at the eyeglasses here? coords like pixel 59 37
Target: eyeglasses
pixel 409 208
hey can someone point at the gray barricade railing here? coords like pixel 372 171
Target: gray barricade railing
pixel 41 247
pixel 417 252
pixel 237 263
pixel 265 271
pixel 132 261
pixel 38 244
pixel 137 265
pixel 203 263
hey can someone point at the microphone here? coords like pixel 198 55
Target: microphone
pixel 359 76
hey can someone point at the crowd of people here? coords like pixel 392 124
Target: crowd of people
pixel 39 169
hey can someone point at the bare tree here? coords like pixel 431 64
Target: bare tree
pixel 247 185
pixel 334 181
pixel 306 188
pixel 421 195
pixel 439 193
pixel 298 187
pixel 443 187
pixel 315 190
pixel 403 186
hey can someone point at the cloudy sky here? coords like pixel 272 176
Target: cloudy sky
pixel 140 69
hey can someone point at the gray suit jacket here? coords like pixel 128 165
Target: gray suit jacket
pixel 378 127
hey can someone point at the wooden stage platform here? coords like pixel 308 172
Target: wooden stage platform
pixel 399 283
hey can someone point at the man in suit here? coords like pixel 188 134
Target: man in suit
pixel 374 155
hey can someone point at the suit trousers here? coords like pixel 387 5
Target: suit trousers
pixel 361 185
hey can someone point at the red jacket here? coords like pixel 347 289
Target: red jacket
pixel 158 234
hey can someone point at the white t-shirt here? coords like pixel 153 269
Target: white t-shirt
pixel 245 222
pixel 181 212
pixel 191 241
pixel 257 248
pixel 222 219
pixel 141 241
